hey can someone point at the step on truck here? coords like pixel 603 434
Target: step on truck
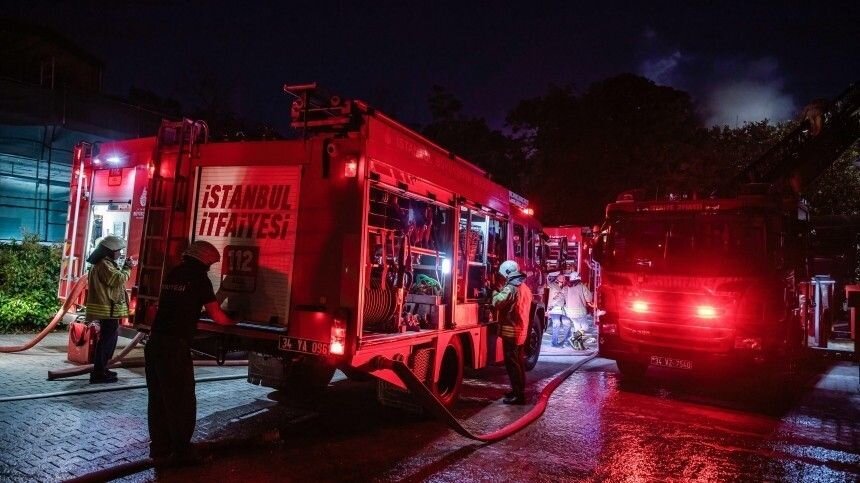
pixel 721 284
pixel 359 239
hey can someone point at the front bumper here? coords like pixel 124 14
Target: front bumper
pixel 734 361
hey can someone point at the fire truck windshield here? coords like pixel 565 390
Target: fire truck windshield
pixel 691 243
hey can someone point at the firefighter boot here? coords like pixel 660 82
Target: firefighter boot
pixel 577 341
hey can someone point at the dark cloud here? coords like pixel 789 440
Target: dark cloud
pixel 730 90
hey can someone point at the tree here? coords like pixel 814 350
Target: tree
pixel 546 130
pixel 837 190
pixel 624 132
pixel 210 97
pixel 471 138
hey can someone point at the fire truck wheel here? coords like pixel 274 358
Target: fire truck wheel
pixel 632 370
pixel 533 343
pixel 447 388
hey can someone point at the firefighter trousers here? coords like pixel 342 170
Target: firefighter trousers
pixel 515 363
pixel 172 404
pixel 106 344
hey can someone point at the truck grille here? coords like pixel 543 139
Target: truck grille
pixel 671 322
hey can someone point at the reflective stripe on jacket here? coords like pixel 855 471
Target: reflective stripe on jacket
pixel 106 297
pixel 514 303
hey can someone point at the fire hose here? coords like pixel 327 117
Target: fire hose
pixel 418 389
pixel 79 285
pixel 119 361
pixel 441 413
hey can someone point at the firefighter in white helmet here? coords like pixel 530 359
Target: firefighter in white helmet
pixel 107 301
pixel 172 404
pixel 513 304
pixel 578 299
pixel 556 309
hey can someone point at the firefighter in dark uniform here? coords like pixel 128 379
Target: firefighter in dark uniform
pixel 172 405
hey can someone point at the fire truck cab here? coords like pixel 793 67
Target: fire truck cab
pixel 700 284
pixel 360 239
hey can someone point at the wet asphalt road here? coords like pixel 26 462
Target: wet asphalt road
pixel 596 428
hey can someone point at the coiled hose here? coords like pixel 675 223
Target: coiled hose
pixel 79 285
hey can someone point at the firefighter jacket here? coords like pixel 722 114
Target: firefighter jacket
pixel 557 299
pixel 514 303
pixel 106 296
pixel 577 299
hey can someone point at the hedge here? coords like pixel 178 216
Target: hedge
pixel 29 274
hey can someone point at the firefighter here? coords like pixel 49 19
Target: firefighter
pixel 107 301
pixel 513 304
pixel 172 404
pixel 557 314
pixel 578 300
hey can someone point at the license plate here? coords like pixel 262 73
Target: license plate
pixel 294 344
pixel 670 362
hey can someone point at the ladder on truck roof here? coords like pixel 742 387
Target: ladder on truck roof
pixel 828 130
pixel 164 227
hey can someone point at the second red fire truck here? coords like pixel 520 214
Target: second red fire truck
pixel 721 283
pixel 361 239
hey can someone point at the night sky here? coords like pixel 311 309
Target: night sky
pixel 740 62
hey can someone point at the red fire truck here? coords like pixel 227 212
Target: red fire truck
pixel 568 249
pixel 722 282
pixel 360 239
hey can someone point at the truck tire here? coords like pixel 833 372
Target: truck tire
pixel 534 338
pixel 447 388
pixel 631 370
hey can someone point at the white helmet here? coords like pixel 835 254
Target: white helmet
pixel 203 251
pixel 112 243
pixel 508 268
pixel 574 276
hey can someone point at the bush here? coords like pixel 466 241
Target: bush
pixel 29 274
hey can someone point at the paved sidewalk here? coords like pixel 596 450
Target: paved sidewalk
pixel 52 439
pixel 57 438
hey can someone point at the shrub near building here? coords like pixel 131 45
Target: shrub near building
pixel 29 275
